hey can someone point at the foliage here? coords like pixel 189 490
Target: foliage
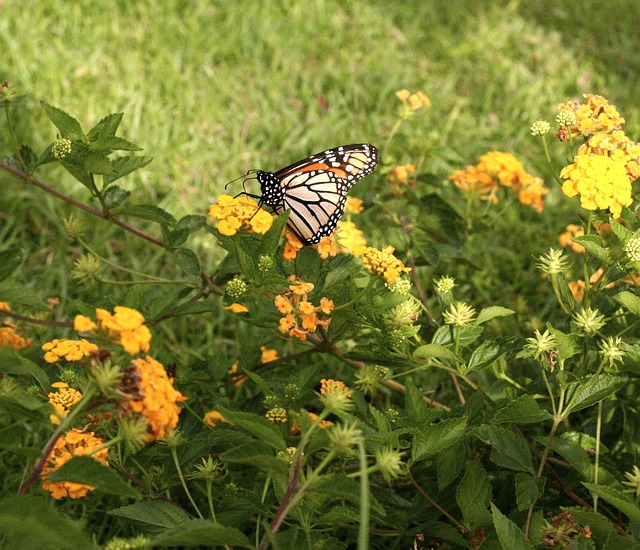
pixel 438 374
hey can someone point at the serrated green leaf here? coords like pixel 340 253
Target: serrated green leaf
pixel 189 262
pixel 78 171
pixel 69 127
pixel 473 496
pixel 10 260
pixel 509 450
pixel 113 143
pixel 450 463
pixel 584 393
pixel 95 163
pixel 125 165
pixel 108 126
pixel 572 452
pixel 86 470
pixel 620 231
pixel 593 246
pixel 258 455
pixel 629 301
pixel 154 514
pixel 11 362
pixel 31 522
pixel 429 351
pixel 271 239
pixel 492 312
pixel 437 437
pixel 568 344
pixel 485 354
pixel 622 501
pixel 191 222
pixel 468 335
pixel 114 196
pixel 529 488
pixel 149 212
pixel 203 533
pixel 174 237
pixel 509 534
pixel 257 425
pixel 24 406
pixel 522 410
pixel 415 407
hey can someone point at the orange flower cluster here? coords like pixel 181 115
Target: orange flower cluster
pixel 75 443
pixel 565 239
pixel 125 327
pixel 62 401
pixel 300 316
pixel 159 399
pixel 8 334
pixel 413 101
pixel 69 350
pixel 212 418
pixel 239 214
pixel 329 387
pixel 383 263
pixel 496 169
pixel 593 116
pixel 295 429
pixel 399 179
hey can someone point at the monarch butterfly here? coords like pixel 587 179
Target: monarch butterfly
pixel 315 189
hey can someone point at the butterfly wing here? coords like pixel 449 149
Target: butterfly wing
pixel 315 189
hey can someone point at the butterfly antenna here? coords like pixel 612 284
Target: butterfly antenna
pixel 242 177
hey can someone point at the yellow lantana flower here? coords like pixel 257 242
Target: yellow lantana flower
pixel 236 214
pixel 62 401
pixel 383 263
pixel 125 327
pixel 70 350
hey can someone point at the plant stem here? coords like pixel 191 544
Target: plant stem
pixel 174 455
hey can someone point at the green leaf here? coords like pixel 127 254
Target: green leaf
pixel 473 496
pixel 149 212
pixel 98 164
pixel 114 196
pixel 125 165
pixel 10 260
pixel 572 452
pixel 257 425
pixel 584 393
pixel 529 488
pixel 86 470
pixel 429 351
pixel 468 335
pixel 258 455
pixel 620 231
pixel 415 407
pixel 69 127
pixel 22 296
pixel 593 246
pixel 192 222
pixel 108 126
pixel 486 353
pixel 568 344
pixel 271 239
pixel 566 297
pixel 113 143
pixel 203 533
pixel 629 301
pixel 509 450
pixel 31 522
pixel 155 515
pixel 189 262
pixel 437 437
pixel 11 362
pixel 622 501
pixel 509 534
pixel 77 170
pixel 25 406
pixel 450 463
pixel 522 410
pixel 492 312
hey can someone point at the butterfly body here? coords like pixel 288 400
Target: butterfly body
pixel 315 189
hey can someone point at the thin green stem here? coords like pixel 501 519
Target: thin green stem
pixel 174 455
pixel 365 504
pixel 596 466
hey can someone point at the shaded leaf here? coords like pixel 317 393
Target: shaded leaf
pixel 622 501
pixel 259 426
pixel 98 164
pixel 86 470
pixel 583 394
pixel 22 296
pixel 528 489
pixel 509 450
pixel 568 344
pixel 201 532
pixel 154 514
pixel 107 126
pixel 125 165
pixel 629 301
pixel 492 312
pixel 468 335
pixel 429 351
pixel 11 362
pixel 10 260
pixel 473 496
pixel 593 246
pixel 114 196
pixel 189 262
pixel 149 212
pixel 522 410
pixel 509 534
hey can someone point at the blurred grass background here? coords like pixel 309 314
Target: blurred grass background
pixel 210 89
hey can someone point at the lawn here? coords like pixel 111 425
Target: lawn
pixel 465 377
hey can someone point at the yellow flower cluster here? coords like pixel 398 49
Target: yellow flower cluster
pixel 125 327
pixel 239 214
pixel 350 239
pixel 399 179
pixel 413 101
pixel 62 401
pixel 159 398
pixel 268 355
pixel 496 169
pixel 383 263
pixel 353 205
pixel 295 429
pixel 593 116
pixel 75 443
pixel 70 350
pixel 301 316
pixel 601 181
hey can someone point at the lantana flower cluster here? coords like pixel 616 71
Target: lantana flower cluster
pixel 496 169
pixel 300 316
pixel 239 214
pixel 400 179
pixel 8 334
pixel 125 327
pixel 606 165
pixel 69 350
